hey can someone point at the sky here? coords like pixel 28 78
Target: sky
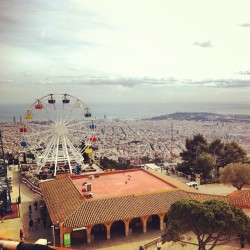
pixel 125 51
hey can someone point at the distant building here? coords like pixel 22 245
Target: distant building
pixel 151 166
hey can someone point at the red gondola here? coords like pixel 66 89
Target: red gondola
pixel 93 139
pixel 23 130
pixel 39 105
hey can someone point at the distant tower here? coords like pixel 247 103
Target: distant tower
pixel 14 119
pixel 105 116
pixel 1 146
pixel 171 143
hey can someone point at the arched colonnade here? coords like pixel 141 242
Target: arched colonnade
pixel 124 227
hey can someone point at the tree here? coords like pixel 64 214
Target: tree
pixel 203 165
pixel 237 174
pixel 233 153
pixel 194 147
pixel 213 222
pixel 217 150
pixel 222 153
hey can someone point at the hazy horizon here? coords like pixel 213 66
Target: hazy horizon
pixel 137 110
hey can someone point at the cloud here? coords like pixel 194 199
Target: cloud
pixel 205 44
pixel 130 82
pixel 7 81
pixel 244 72
pixel 220 83
pixel 170 81
pixel 245 25
pixel 111 81
pixel 42 24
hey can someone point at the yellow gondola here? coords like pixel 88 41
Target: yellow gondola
pixel 88 150
pixel 28 115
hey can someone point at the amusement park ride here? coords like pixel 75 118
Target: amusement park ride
pixel 58 130
pixel 5 197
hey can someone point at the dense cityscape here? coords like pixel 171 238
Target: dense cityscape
pixel 151 140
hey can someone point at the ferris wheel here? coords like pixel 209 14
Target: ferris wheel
pixel 58 130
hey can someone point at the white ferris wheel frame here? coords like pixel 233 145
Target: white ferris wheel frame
pixel 58 131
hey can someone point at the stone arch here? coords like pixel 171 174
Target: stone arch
pixel 153 222
pixel 78 237
pixel 136 224
pixel 98 231
pixel 117 229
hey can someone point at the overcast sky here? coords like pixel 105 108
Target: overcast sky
pixel 104 51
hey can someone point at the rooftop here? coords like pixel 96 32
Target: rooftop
pixel 119 183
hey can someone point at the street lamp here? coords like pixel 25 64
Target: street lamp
pixel 53 235
pixel 53 232
pixel 19 181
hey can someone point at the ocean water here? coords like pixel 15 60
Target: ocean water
pixel 136 110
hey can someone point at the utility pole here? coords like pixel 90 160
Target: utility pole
pixel 1 146
pixel 171 143
pixel 19 181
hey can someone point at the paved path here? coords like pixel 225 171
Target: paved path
pixel 10 228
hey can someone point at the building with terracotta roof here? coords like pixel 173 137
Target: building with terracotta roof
pixel 83 206
pixel 240 198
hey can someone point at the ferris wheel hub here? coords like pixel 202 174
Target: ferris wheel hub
pixel 60 129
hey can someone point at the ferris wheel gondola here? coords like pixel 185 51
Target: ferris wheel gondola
pixel 54 129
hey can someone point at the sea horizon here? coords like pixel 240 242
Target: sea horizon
pixel 136 110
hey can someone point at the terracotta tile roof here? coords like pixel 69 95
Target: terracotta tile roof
pixel 240 198
pixel 171 180
pixel 205 197
pixel 117 208
pixel 61 197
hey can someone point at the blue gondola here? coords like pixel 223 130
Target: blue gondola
pixel 23 144
pixel 92 126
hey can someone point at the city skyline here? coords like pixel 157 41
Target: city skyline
pixel 125 51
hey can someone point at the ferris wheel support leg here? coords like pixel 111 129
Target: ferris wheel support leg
pixel 43 161
pixel 67 155
pixel 76 155
pixel 57 147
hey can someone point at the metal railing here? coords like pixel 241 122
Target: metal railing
pixel 151 243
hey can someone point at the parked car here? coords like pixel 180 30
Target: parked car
pixel 193 184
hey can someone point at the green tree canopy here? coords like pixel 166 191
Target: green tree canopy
pixel 213 222
pixel 194 147
pixel 203 164
pixel 233 153
pixel 221 153
pixel 237 174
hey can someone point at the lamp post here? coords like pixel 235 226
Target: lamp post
pixel 56 226
pixel 19 181
pixel 53 235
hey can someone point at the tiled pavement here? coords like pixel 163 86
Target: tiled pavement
pixel 10 228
